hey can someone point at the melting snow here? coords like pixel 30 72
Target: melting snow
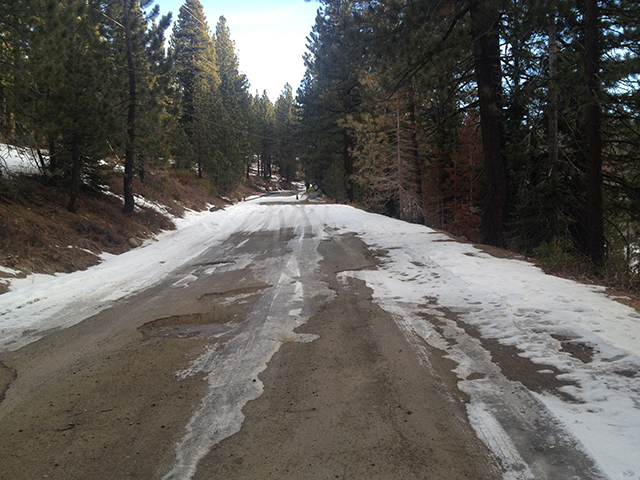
pixel 508 300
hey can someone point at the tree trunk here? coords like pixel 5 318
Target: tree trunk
pixel 43 164
pixel 54 167
pixel 347 143
pixel 348 163
pixel 416 160
pixel 131 115
pixel 489 78
pixel 594 215
pixel 552 100
pixel 401 202
pixel 74 187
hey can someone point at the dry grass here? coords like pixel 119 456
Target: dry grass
pixel 38 234
pixel 177 189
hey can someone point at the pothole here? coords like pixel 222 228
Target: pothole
pixel 216 322
pixel 7 376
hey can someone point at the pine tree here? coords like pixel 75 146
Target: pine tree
pixel 235 100
pixel 194 59
pixel 266 135
pixel 330 93
pixel 594 221
pixel 285 126
pixel 70 74
pixel 486 19
pixel 137 41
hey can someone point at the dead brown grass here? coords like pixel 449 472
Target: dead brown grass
pixel 38 234
pixel 177 189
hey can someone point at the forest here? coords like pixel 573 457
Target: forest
pixel 86 80
pixel 513 123
pixel 509 122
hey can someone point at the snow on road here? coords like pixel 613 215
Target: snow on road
pixel 422 272
pixel 232 373
pixel 516 303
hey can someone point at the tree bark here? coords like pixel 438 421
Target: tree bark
pixel 348 163
pixel 131 114
pixel 54 168
pixel 488 78
pixel 347 139
pixel 552 100
pixel 74 187
pixel 594 215
pixel 415 154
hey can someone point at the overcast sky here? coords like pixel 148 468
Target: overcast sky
pixel 270 37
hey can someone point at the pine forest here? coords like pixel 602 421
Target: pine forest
pixel 511 123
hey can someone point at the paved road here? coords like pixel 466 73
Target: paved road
pixel 259 359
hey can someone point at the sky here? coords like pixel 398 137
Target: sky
pixel 270 37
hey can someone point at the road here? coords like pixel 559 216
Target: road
pixel 260 358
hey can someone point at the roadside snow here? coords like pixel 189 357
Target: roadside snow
pixel 42 302
pixel 15 160
pixel 516 303
pixel 508 300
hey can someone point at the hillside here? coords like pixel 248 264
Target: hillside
pixel 38 234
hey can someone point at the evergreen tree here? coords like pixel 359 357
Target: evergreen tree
pixel 138 42
pixel 486 18
pixel 285 126
pixel 196 73
pixel 16 20
pixel 235 99
pixel 70 92
pixel 330 93
pixel 266 134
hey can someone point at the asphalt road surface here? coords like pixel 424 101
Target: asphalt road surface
pixel 257 360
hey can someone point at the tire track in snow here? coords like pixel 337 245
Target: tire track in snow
pixel 523 434
pixel 232 372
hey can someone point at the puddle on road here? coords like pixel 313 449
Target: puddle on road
pixel 186 326
pixel 224 312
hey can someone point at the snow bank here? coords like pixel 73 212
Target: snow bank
pixel 516 303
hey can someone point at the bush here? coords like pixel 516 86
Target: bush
pixel 560 256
